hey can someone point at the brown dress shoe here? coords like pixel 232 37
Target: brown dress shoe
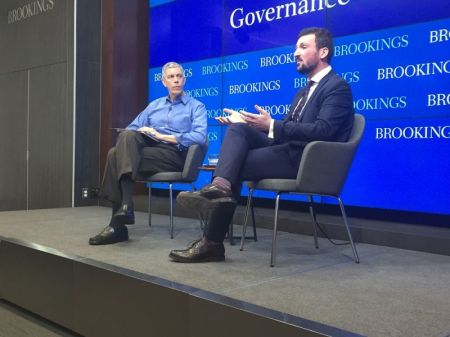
pixel 197 202
pixel 110 235
pixel 200 251
pixel 211 191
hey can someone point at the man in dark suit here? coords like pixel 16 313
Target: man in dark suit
pixel 257 146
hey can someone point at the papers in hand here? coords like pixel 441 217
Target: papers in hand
pixel 118 129
pixel 236 117
pixel 151 136
pixel 144 133
pixel 233 117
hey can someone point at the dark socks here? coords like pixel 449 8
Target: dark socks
pixel 218 222
pixel 115 225
pixel 115 207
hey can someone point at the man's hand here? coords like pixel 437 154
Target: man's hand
pixel 261 121
pixel 148 130
pixel 159 136
pixel 233 117
pixel 151 132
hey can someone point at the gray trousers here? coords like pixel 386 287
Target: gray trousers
pixel 128 157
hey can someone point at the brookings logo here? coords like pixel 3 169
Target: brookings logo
pixel 31 9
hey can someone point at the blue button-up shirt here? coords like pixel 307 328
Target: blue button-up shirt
pixel 185 118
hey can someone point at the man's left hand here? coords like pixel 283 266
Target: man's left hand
pixel 259 121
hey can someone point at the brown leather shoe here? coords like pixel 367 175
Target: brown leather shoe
pixel 197 202
pixel 211 191
pixel 110 235
pixel 201 251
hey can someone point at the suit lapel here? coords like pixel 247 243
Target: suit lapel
pixel 294 103
pixel 319 87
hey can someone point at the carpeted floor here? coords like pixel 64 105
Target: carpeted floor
pixel 392 292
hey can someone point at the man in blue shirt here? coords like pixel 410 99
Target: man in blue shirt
pixel 168 126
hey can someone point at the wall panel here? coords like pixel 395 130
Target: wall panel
pixel 37 40
pixel 50 160
pixel 34 40
pixel 13 140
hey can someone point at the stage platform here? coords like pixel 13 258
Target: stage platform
pixel 133 289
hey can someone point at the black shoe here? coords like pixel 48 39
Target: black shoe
pixel 197 202
pixel 211 191
pixel 124 215
pixel 200 251
pixel 110 235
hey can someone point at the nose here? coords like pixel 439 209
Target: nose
pixel 297 52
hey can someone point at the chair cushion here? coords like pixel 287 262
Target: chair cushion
pixel 165 177
pixel 281 185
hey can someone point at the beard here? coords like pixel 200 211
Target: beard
pixel 305 69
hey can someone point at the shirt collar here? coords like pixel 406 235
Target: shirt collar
pixel 183 99
pixel 321 74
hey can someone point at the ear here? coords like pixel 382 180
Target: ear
pixel 324 53
pixel 163 80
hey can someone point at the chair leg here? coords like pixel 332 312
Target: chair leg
pixel 344 215
pixel 171 209
pixel 313 216
pixel 255 238
pixel 244 227
pixel 274 237
pixel 200 217
pixel 231 234
pixel 149 205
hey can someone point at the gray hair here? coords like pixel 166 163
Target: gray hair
pixel 171 65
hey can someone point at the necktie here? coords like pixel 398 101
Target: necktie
pixel 301 103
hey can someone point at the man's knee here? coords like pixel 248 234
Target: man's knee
pixel 111 156
pixel 238 126
pixel 236 129
pixel 127 135
pixel 112 152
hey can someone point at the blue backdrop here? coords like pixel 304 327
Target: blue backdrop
pixel 394 54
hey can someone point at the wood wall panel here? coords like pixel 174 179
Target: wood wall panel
pixel 13 141
pixel 124 67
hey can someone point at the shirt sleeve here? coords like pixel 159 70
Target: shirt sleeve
pixel 270 134
pixel 198 130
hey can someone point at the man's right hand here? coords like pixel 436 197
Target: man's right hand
pixel 233 117
pixel 148 130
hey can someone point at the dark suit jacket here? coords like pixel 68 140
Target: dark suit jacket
pixel 328 115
